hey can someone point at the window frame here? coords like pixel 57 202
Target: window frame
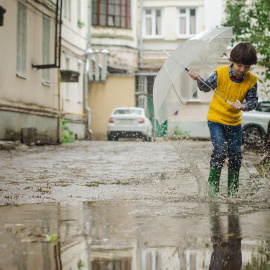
pixel 46 41
pixel 187 16
pixel 21 64
pixel 67 9
pixel 142 84
pixel 154 23
pixel 79 10
pixel 111 18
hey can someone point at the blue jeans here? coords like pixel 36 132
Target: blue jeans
pixel 227 141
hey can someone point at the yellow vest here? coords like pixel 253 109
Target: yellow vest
pixel 221 111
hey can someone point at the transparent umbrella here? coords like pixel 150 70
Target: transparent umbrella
pixel 173 86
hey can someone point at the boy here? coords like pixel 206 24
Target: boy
pixel 236 84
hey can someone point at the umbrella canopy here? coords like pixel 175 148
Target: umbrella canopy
pixel 173 86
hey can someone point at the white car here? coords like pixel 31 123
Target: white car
pixel 129 122
pixel 255 123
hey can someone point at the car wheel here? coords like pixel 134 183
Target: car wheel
pixel 252 135
pixel 109 137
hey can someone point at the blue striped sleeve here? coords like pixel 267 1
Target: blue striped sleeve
pixel 211 81
pixel 251 99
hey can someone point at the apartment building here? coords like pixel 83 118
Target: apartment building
pixel 29 108
pixel 33 98
pixel 114 42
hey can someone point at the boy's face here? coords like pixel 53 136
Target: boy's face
pixel 240 69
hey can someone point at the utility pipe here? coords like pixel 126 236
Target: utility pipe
pixel 87 67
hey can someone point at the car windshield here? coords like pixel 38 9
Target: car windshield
pixel 128 111
pixel 264 107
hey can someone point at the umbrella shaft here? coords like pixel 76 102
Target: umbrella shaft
pixel 214 91
pixel 211 88
pixel 204 84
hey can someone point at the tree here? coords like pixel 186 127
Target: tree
pixel 251 24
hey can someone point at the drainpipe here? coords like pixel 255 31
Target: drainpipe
pixel 86 80
pixel 105 54
pixel 87 67
pixel 59 135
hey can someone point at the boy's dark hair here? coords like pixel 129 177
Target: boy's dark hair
pixel 244 53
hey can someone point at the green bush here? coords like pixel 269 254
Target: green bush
pixel 179 134
pixel 67 134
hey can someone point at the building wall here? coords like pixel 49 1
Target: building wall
pixel 119 91
pixel 74 40
pixel 25 102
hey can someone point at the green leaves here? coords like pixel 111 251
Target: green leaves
pixel 67 134
pixel 53 239
pixel 251 24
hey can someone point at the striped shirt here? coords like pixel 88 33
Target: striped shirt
pixel 251 99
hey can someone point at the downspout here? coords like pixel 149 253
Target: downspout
pixel 86 81
pixel 59 75
pixel 87 67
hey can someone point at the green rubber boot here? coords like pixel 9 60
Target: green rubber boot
pixel 213 181
pixel 233 183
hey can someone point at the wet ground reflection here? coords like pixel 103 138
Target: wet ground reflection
pixel 135 235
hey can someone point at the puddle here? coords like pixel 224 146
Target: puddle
pixel 134 235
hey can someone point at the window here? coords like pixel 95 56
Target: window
pixel 142 84
pixel 187 21
pixel 142 102
pixel 79 9
pixel 46 50
pixel 111 13
pixel 21 39
pixel 67 9
pixel 142 92
pixel 152 22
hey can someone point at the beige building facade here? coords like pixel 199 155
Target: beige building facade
pixel 34 99
pixel 28 96
pixel 103 98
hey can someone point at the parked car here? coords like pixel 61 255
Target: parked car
pixel 129 122
pixel 255 123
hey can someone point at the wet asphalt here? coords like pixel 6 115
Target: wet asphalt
pixel 131 204
pixel 117 170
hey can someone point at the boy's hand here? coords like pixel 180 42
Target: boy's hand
pixel 238 106
pixel 194 75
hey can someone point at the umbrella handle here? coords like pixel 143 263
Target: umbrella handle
pixel 211 89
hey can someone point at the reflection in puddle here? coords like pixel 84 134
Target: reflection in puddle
pixel 148 235
pixel 226 246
